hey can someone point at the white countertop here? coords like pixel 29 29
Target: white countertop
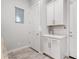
pixel 54 36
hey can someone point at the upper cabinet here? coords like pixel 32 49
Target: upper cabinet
pixel 59 12
pixel 50 13
pixel 55 12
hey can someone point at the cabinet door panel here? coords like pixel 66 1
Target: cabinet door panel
pixel 55 49
pixel 59 12
pixel 45 45
pixel 50 13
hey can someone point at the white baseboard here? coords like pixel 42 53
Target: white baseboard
pixel 14 50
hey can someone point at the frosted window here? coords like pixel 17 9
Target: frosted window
pixel 19 14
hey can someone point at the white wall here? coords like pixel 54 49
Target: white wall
pixel 19 35
pixel 16 35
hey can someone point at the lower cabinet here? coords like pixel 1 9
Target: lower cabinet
pixel 45 45
pixel 55 48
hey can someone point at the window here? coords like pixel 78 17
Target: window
pixel 19 15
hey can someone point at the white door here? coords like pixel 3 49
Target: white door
pixel 35 33
pixel 73 29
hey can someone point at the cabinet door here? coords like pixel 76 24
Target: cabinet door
pixel 45 45
pixel 50 13
pixel 58 12
pixel 55 49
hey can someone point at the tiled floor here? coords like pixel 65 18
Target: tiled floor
pixel 26 53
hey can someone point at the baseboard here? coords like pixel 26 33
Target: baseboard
pixel 34 49
pixel 72 57
pixel 14 50
pixel 48 56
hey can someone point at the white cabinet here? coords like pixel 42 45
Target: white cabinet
pixel 56 48
pixel 59 12
pixel 55 12
pixel 50 14
pixel 47 46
